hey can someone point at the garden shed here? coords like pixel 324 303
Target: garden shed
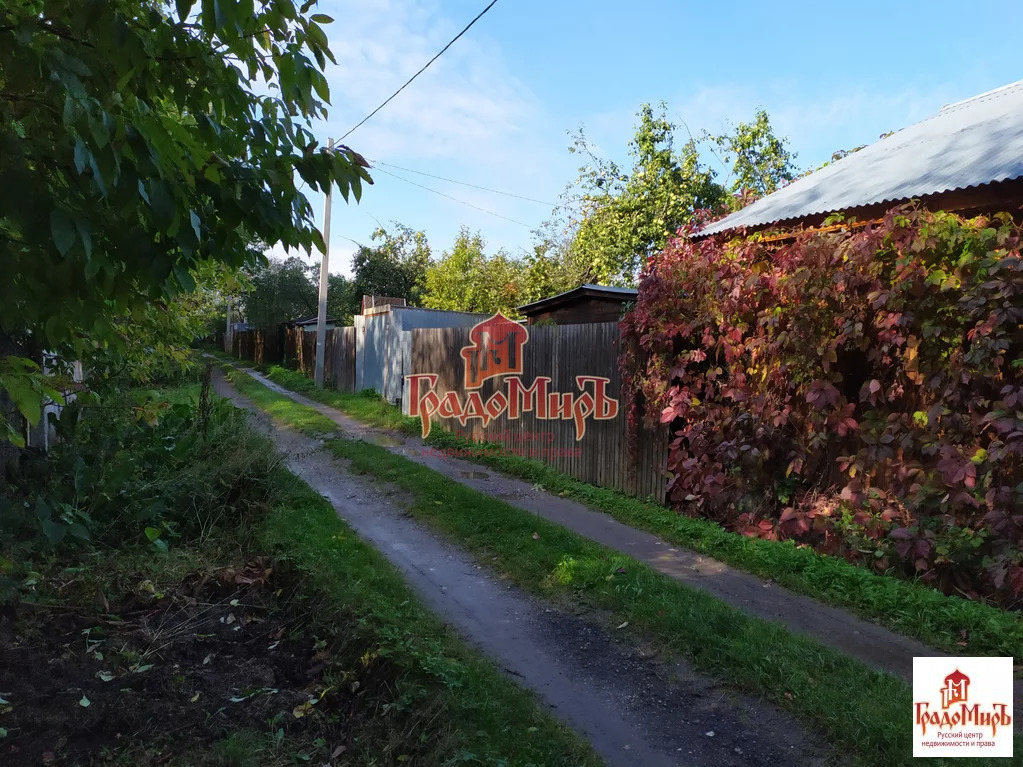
pixel 587 303
pixel 383 339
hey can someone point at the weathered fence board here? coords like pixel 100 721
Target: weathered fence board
pixel 297 348
pixel 261 345
pixel 560 353
pixel 339 359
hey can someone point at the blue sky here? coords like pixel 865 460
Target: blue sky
pixel 496 109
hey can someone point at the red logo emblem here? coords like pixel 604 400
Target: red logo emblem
pixel 495 349
pixel 955 690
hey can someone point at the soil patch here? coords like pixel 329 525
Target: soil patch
pixel 161 678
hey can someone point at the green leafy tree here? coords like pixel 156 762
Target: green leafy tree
pixel 466 279
pixel 395 267
pixel 139 140
pixel 549 269
pixel 761 163
pixel 340 298
pixel 617 218
pixel 625 216
pixel 281 290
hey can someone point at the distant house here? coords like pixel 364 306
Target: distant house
pixel 308 324
pixel 966 158
pixel 587 303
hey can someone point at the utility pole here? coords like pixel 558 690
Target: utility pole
pixel 321 315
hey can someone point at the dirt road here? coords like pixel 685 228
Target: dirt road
pixel 634 710
pixel 869 643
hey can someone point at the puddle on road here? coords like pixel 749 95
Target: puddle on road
pixel 383 440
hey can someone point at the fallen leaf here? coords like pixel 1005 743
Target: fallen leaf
pixel 194 698
pixel 84 702
pixel 104 676
pixel 536 536
pixel 709 733
pixel 624 625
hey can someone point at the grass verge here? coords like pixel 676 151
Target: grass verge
pixel 865 713
pixel 486 719
pixel 366 406
pixel 949 623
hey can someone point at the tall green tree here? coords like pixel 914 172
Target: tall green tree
pixel 395 267
pixel 466 279
pixel 761 162
pixel 140 139
pixel 617 217
pixel 624 216
pixel 280 290
pixel 340 298
pixel 548 269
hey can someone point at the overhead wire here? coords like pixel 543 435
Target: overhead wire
pixel 462 183
pixel 425 66
pixel 454 199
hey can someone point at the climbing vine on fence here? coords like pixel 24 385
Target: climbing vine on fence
pixel 858 390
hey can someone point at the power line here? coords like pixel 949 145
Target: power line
pixel 454 199
pixel 428 63
pixel 463 183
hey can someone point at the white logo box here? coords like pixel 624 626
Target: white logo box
pixel 962 707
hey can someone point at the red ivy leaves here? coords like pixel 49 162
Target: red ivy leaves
pixel 843 386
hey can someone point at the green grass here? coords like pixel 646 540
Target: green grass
pixel 485 718
pixel 366 406
pixel 911 608
pixel 432 699
pixel 866 713
pixel 488 719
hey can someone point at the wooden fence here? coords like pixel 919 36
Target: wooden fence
pixel 260 346
pixel 297 348
pixel 602 457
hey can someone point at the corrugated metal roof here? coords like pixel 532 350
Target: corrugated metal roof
pixel 966 144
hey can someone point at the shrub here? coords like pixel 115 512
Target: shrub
pixel 138 466
pixel 860 391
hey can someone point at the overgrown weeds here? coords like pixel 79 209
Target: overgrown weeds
pixel 148 465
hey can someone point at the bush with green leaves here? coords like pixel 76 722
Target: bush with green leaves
pixel 140 467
